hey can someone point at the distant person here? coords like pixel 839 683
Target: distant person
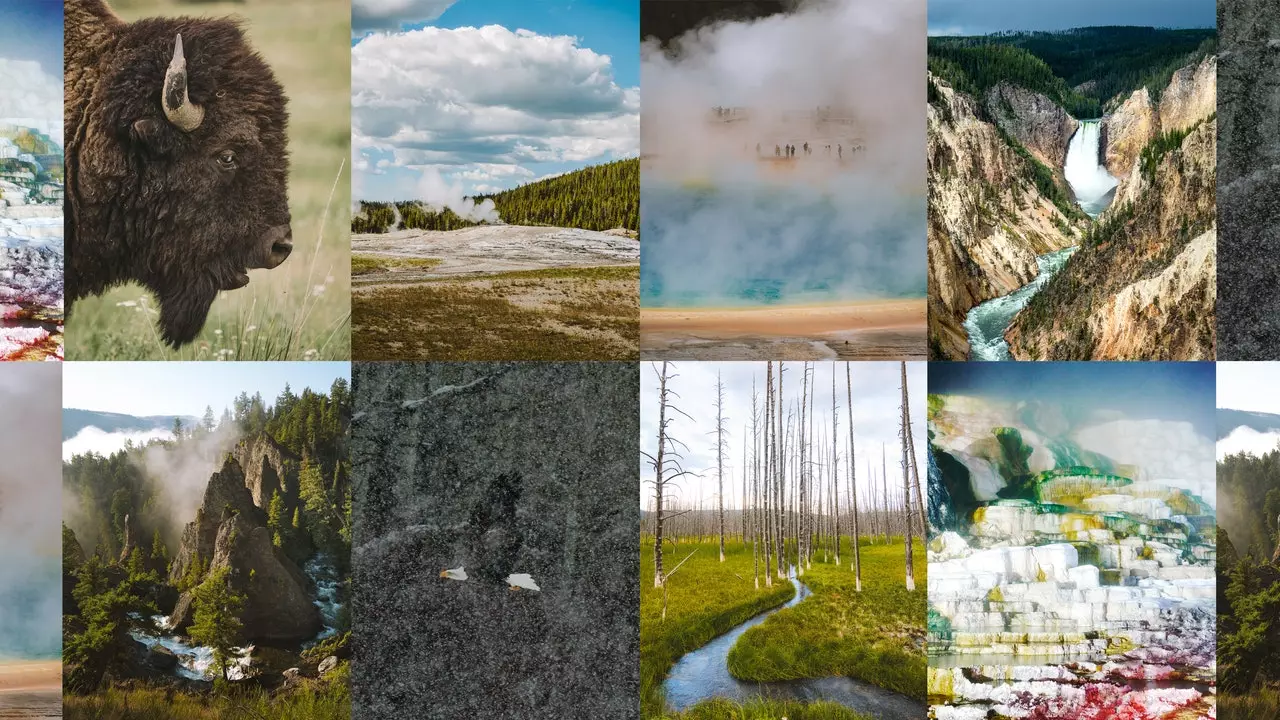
pixel 757 149
pixel 840 151
pixel 777 151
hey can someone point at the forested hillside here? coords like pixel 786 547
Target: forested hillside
pixel 1249 585
pixel 235 532
pixel 1087 67
pixel 600 197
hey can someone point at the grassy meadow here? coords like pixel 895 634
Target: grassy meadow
pixel 313 700
pixel 300 310
pixel 1257 704
pixel 589 313
pixel 876 636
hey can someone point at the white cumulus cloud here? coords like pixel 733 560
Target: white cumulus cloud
pixel 367 15
pixel 472 102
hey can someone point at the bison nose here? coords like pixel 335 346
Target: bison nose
pixel 281 244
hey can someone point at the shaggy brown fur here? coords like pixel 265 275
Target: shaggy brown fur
pixel 148 202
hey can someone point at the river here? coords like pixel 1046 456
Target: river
pixel 986 323
pixel 196 661
pixel 704 674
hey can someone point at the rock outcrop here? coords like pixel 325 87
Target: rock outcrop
pixel 1189 98
pixel 1040 124
pixel 1126 131
pixel 230 531
pixel 987 219
pixel 268 467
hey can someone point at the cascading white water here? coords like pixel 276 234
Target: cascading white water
pixel 1088 179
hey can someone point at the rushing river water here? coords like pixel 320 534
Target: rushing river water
pixel 986 323
pixel 704 674
pixel 195 662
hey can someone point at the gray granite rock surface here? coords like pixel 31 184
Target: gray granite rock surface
pixel 501 469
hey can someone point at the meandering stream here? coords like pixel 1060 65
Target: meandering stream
pixel 704 674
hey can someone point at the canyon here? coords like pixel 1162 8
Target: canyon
pixel 1015 182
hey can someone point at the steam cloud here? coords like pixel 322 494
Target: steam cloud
pixel 179 475
pixel 437 193
pixel 30 509
pixel 716 217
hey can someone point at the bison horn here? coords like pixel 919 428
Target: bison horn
pixel 178 107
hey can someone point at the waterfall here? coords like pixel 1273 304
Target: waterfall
pixel 1093 186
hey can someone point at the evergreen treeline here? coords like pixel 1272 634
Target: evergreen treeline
pixel 1248 579
pixel 600 197
pixel 975 65
pixel 1087 67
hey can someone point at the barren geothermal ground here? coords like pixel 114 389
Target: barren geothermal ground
pixel 870 330
pixel 496 292
pixel 30 689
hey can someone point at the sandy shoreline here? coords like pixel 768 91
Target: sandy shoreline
pixel 871 330
pixel 30 676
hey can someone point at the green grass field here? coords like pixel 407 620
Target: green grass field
pixel 561 313
pixel 300 310
pixel 834 632
pixel 1259 704
pixel 313 700
pixel 876 635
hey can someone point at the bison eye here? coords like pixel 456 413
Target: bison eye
pixel 227 160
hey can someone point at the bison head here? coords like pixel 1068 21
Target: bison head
pixel 180 179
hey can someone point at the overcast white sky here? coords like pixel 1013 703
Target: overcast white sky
pixel 1249 386
pixel 876 397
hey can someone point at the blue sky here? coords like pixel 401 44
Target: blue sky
pixel 32 30
pixel 493 109
pixel 178 388
pixel 979 17
pixel 610 27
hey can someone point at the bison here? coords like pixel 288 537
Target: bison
pixel 176 161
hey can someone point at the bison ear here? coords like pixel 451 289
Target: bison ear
pixel 151 134
pixel 146 130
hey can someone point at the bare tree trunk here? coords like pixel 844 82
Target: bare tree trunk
pixel 802 547
pixel 853 482
pixel 720 455
pixel 658 481
pixel 906 479
pixel 767 519
pixel 755 485
pixel 777 461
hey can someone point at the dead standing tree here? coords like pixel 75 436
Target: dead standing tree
pixel 720 432
pixel 666 464
pixel 853 483
pixel 906 480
